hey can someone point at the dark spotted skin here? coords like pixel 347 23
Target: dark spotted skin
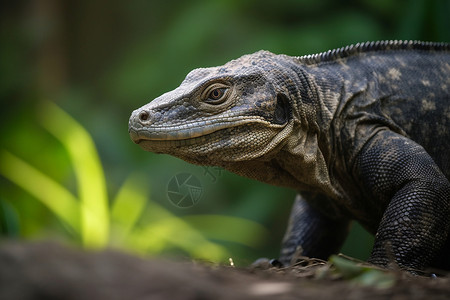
pixel 362 133
pixel 392 136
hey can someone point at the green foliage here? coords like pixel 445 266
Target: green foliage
pixel 89 215
pixel 362 274
pixel 93 204
pixel 55 197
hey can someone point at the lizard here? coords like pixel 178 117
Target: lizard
pixel 360 133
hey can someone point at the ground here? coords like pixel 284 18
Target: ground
pixel 51 271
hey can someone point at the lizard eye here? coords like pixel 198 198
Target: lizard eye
pixel 215 94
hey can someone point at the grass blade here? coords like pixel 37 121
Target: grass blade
pixel 129 204
pixel 58 199
pixel 94 212
pixel 167 230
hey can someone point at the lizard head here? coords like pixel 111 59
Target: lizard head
pixel 227 115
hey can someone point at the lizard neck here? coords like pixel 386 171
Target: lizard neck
pixel 302 160
pixel 308 153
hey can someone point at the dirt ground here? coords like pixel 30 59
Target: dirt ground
pixel 50 271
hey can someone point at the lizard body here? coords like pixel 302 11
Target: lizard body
pixel 361 132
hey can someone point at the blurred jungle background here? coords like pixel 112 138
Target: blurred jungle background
pixel 72 72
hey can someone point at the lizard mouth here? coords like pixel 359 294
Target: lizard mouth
pixel 185 132
pixel 228 144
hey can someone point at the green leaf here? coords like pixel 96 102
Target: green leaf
pixel 94 211
pixel 129 204
pixel 362 275
pixel 167 230
pixel 172 232
pixel 375 278
pixel 346 267
pixel 50 193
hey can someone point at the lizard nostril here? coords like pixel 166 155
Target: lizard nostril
pixel 143 116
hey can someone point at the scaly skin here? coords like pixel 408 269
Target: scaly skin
pixel 362 133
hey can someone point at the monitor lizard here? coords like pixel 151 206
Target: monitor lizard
pixel 361 133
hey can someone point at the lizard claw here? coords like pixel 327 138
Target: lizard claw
pixel 265 263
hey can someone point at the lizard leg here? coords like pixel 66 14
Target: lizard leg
pixel 400 174
pixel 318 235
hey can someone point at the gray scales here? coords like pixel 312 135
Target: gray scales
pixel 361 133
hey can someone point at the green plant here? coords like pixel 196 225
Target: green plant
pixel 95 223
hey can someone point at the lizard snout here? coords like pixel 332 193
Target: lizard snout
pixel 138 119
pixel 143 116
